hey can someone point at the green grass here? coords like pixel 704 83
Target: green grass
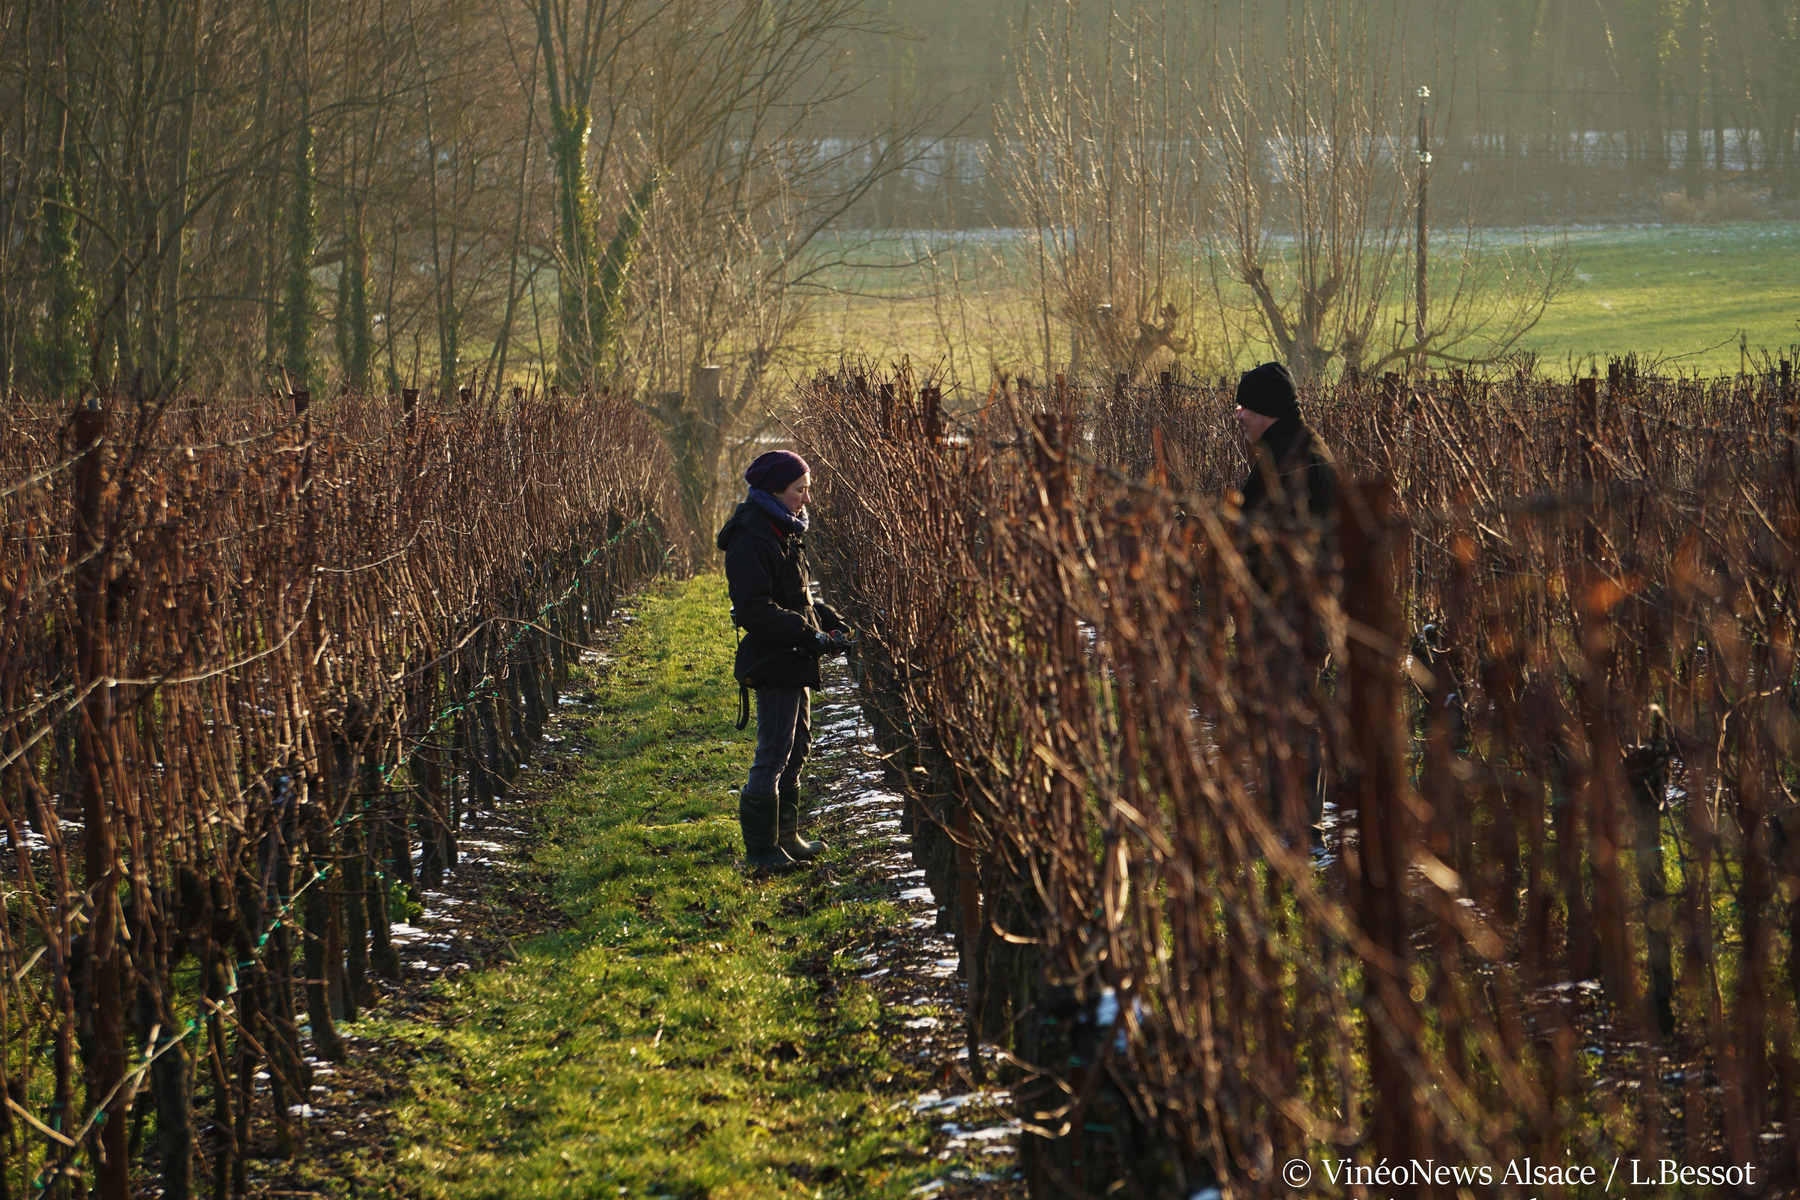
pixel 1683 295
pixel 1678 290
pixel 671 1043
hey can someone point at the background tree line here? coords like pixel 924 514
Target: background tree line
pixel 371 194
pixel 374 194
pixel 1560 104
pixel 1324 180
pixel 395 190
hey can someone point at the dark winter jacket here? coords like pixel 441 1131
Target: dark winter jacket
pixel 1290 472
pixel 771 600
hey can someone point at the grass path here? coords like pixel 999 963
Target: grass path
pixel 670 1043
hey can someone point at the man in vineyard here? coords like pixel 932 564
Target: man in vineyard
pixel 1287 499
pixel 1290 468
pixel 785 635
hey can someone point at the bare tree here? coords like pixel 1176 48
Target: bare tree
pixel 1095 153
pixel 1313 203
pixel 723 192
pixel 591 49
pixel 128 171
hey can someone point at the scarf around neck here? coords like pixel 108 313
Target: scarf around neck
pixel 786 521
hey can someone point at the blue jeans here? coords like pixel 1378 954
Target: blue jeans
pixel 783 738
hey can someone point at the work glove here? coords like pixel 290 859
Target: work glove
pixel 829 643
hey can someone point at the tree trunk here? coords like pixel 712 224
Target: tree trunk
pixel 355 343
pixel 606 321
pixel 1691 38
pixel 302 238
pixel 578 270
pixel 173 217
pixel 71 303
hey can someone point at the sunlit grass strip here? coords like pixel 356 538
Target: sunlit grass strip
pixel 665 1045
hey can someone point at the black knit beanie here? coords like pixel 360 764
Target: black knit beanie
pixel 1269 390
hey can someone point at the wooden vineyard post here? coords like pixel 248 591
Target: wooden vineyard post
pixel 1587 424
pixel 1390 413
pixel 358 990
pixel 1374 562
pixel 1790 405
pixel 425 766
pixel 315 909
pixel 968 903
pixel 1582 946
pixel 1610 772
pixel 105 1016
pixel 468 745
pixel 968 876
pixel 367 848
pixel 440 792
pixel 1114 429
pixel 531 686
pixel 1647 775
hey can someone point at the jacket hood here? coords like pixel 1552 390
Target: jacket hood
pixel 745 518
pixel 1282 433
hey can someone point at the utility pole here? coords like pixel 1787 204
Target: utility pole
pixel 1419 299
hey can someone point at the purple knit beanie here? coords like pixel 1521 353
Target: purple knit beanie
pixel 774 471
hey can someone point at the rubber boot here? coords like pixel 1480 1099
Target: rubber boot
pixel 798 848
pixel 756 817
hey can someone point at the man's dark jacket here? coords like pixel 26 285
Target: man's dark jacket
pixel 1290 472
pixel 771 598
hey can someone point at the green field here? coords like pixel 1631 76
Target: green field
pixel 1679 290
pixel 1685 296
